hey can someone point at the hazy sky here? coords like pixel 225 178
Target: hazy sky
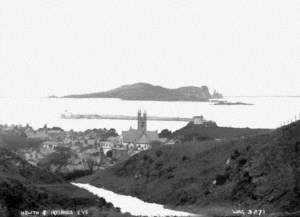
pixel 240 47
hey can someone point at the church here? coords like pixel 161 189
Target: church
pixel 140 138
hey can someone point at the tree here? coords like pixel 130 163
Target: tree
pixel 155 144
pixel 109 154
pixel 59 157
pixel 165 133
pixel 90 163
pixel 111 132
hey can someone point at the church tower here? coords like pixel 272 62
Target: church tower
pixel 139 119
pixel 142 121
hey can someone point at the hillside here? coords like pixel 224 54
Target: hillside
pixel 256 172
pixel 13 167
pixel 211 131
pixel 26 187
pixel 145 91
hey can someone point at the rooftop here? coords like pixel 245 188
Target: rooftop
pixel 138 136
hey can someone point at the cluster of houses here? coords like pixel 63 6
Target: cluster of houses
pixel 132 140
pixel 99 146
pixel 96 145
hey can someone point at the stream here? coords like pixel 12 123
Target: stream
pixel 132 205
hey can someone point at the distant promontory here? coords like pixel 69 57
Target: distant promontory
pixel 145 91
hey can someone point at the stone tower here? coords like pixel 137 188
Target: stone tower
pixel 139 119
pixel 142 121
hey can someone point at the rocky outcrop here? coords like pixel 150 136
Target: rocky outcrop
pixel 217 95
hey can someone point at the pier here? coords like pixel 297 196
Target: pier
pixel 122 117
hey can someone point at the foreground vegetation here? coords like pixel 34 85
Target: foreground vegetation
pixel 26 187
pixel 258 171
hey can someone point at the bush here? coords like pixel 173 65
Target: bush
pixel 76 174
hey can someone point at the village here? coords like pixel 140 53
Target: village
pixel 68 151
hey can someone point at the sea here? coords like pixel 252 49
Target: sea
pixel 266 112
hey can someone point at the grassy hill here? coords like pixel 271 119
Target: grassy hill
pixel 145 91
pixel 26 187
pixel 211 131
pixel 256 172
pixel 14 167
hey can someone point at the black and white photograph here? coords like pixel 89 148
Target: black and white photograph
pixel 150 108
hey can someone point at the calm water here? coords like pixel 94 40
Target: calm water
pixel 268 112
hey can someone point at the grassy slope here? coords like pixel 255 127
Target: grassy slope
pixel 263 172
pixel 200 132
pixel 14 167
pixel 26 187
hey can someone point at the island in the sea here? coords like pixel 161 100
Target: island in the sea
pixel 145 91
